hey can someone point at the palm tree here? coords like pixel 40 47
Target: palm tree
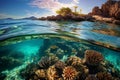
pixel 75 8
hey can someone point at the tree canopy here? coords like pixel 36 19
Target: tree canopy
pixel 64 11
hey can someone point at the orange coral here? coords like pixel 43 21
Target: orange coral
pixel 93 57
pixel 52 73
pixel 41 73
pixel 69 73
pixel 104 76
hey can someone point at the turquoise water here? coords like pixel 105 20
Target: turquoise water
pixel 25 41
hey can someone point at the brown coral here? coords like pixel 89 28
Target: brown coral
pixel 69 73
pixel 45 62
pixel 52 73
pixel 74 61
pixel 60 65
pixel 104 76
pixel 93 57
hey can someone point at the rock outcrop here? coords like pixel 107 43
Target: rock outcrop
pixel 68 17
pixel 110 9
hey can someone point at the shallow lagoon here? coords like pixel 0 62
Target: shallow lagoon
pixel 26 41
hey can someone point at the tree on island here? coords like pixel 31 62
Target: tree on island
pixel 67 11
pixel 64 11
pixel 75 8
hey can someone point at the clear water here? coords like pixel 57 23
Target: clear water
pixel 24 41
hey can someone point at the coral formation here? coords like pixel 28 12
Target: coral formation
pixel 91 67
pixel 104 76
pixel 45 62
pixel 69 73
pixel 41 73
pixel 60 65
pixel 74 61
pixel 93 57
pixel 91 77
pixel 52 73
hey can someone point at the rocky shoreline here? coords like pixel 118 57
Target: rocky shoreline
pixel 93 18
pixel 109 13
pixel 68 18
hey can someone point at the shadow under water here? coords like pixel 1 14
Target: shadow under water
pixel 56 57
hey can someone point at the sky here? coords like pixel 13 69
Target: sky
pixel 38 8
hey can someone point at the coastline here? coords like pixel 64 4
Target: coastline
pixel 93 18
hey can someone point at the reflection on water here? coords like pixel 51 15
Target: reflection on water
pixel 96 31
pixel 108 32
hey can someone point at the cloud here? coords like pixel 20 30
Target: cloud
pixel 52 5
pixel 76 1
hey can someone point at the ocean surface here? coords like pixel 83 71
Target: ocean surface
pixel 26 41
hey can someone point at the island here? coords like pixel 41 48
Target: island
pixel 109 12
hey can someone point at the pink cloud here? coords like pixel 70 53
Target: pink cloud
pixel 52 5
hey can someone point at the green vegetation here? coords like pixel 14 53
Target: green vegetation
pixel 67 11
pixel 64 11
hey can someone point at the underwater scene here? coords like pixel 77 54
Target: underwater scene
pixel 59 50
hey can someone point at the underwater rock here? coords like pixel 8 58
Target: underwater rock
pixel 93 58
pixel 104 76
pixel 41 73
pixel 52 73
pixel 45 62
pixel 69 73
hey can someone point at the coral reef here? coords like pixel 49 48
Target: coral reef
pixel 93 57
pixel 45 62
pixel 104 76
pixel 41 73
pixel 52 73
pixel 69 73
pixel 91 67
pixel 60 65
pixel 74 61
pixel 91 77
